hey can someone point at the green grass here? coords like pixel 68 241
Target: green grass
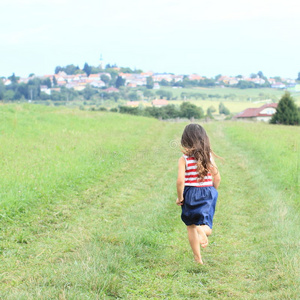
pixel 106 225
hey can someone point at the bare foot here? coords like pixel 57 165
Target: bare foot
pixel 199 260
pixel 202 237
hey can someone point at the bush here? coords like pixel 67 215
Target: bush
pixel 223 109
pixel 189 110
pixel 130 110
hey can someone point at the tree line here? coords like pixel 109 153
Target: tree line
pixel 170 111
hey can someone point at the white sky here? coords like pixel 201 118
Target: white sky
pixel 194 36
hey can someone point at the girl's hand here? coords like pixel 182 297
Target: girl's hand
pixel 179 202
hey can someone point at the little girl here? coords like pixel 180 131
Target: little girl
pixel 197 183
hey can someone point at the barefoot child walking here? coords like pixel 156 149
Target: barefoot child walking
pixel 197 183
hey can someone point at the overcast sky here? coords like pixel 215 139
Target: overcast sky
pixel 193 36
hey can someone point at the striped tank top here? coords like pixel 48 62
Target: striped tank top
pixel 191 174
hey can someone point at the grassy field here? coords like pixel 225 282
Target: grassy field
pixel 236 100
pixel 88 209
pixel 235 94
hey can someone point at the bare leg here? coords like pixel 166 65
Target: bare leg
pixel 194 242
pixel 206 229
pixel 203 240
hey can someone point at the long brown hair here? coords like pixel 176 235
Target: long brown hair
pixel 195 143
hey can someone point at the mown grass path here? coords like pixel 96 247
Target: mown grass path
pixel 123 238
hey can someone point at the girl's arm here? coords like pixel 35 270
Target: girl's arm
pixel 180 180
pixel 215 173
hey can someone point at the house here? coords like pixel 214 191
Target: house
pixel 160 102
pixel 156 86
pixel 97 84
pixel 111 90
pixel 94 77
pixel 133 103
pixel 272 80
pixel 132 85
pixel 45 89
pixel 7 81
pixel 233 81
pixel 278 85
pixel 263 113
pixel 195 77
pixel 55 90
pixel 79 87
pixel 71 85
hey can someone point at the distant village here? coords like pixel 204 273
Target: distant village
pixel 80 81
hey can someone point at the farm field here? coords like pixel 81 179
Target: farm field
pixel 236 100
pixel 235 93
pixel 88 209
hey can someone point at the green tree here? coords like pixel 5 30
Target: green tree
pixel 163 93
pixel 133 96
pixel 88 92
pixel 164 82
pixel 44 96
pixel 217 77
pixel 130 110
pixel 9 95
pixel 211 110
pixel 105 79
pixel 152 112
pixel 148 94
pixel 57 69
pixel 126 70
pixel 277 78
pixel 170 111
pixel 149 82
pixel 46 82
pixel 13 78
pixel 96 70
pixel 223 109
pixel 34 90
pixel 70 69
pixel 206 82
pixel 286 112
pixel 260 74
pixel 56 96
pixel 120 82
pixel 243 84
pixel 189 110
pixel 115 96
pixel 87 69
pixel 113 73
pixel 22 89
pixel 2 89
pixel 54 81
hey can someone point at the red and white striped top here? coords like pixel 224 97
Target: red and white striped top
pixel 191 174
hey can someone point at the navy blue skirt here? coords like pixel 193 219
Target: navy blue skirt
pixel 199 205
